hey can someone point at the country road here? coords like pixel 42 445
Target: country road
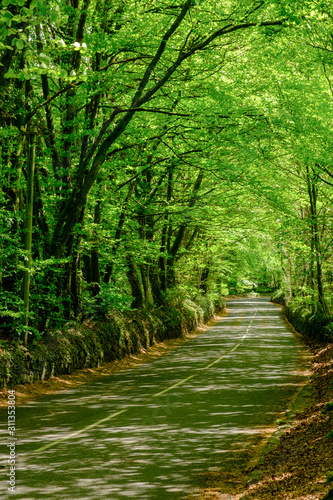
pixel 149 432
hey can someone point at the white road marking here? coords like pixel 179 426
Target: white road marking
pixel 113 415
pixel 74 434
pixel 173 386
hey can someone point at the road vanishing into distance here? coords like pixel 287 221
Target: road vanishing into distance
pixel 149 432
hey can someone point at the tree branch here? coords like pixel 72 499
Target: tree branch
pixel 148 110
pixel 47 101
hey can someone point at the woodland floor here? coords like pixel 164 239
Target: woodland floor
pixel 297 469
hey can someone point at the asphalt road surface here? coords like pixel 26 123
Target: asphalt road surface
pixel 150 431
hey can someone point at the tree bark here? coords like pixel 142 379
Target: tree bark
pixel 170 272
pixel 121 222
pixel 95 270
pixel 31 157
pixel 315 244
pixel 204 280
pixel 134 281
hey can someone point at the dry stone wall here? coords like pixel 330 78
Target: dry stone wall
pixel 94 342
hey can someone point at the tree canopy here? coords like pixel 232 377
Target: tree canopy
pixel 152 150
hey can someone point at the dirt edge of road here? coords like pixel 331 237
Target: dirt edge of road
pixel 295 460
pixel 300 460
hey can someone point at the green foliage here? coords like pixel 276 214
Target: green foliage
pixel 306 304
pixel 304 316
pixel 106 302
pixel 329 477
pixel 216 181
pixel 328 408
pixel 328 331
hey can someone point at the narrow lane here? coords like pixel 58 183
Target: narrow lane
pixel 147 432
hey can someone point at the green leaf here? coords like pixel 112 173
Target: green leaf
pixel 19 44
pixel 55 15
pixel 10 74
pixel 27 12
pixel 44 56
pixel 7 18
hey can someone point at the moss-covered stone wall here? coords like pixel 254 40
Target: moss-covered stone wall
pixel 312 324
pixel 93 342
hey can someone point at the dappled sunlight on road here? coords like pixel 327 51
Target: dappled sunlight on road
pixel 148 432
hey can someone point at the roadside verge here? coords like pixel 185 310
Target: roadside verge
pixel 297 458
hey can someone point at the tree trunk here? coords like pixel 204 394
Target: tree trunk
pixel 170 271
pixel 122 217
pixel 155 285
pixel 134 281
pixel 162 260
pixel 75 284
pixel 204 280
pixel 31 157
pixel 312 191
pixel 95 272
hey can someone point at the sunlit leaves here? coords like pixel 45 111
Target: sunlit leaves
pixel 248 111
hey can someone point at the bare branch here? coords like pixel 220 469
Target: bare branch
pixel 47 101
pixel 148 110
